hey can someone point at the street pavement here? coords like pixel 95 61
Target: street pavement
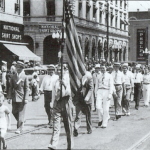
pixel 119 135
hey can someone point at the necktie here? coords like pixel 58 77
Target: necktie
pixel 116 77
pixel 102 78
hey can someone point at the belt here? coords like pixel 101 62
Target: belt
pixel 117 84
pixel 146 83
pixel 103 88
pixel 47 91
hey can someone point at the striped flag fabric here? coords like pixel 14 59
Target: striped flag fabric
pixel 74 52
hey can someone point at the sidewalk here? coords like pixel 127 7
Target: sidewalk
pixel 35 116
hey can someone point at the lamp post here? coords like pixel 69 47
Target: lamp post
pixel 146 54
pixel 58 35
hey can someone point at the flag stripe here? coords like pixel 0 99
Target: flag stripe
pixel 74 52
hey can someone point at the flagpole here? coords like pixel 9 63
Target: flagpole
pixel 62 45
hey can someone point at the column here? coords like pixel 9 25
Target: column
pixel 96 48
pixel 84 9
pixel 97 12
pixel 76 8
pixel 91 11
pixel 90 47
pixel 102 54
pixel 122 49
pixel 58 7
pixel 126 56
pixel 83 45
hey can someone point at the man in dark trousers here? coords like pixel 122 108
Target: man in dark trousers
pixel 18 93
pixel 83 105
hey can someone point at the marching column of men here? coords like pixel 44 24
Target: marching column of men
pixel 114 83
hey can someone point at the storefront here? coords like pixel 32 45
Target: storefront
pixel 11 45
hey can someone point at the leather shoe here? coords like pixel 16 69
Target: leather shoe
pixel 89 132
pixel 5 147
pixel 118 116
pixel 136 107
pixel 75 133
pixel 100 123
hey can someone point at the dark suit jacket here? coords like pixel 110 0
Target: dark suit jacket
pixel 87 88
pixel 18 92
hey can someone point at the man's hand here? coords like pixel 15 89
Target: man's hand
pixel 9 101
pixel 51 104
pixel 9 127
pixel 26 101
pixel 109 97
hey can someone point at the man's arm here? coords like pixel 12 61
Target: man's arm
pixel 90 91
pixel 26 89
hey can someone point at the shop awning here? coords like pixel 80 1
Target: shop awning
pixel 22 52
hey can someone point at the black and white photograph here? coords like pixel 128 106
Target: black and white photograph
pixel 75 74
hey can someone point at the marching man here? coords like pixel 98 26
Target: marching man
pixel 103 92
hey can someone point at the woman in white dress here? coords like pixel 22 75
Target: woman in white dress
pixel 4 70
pixel 4 120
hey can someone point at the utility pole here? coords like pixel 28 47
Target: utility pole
pixel 107 34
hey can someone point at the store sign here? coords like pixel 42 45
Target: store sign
pixel 11 31
pixel 49 28
pixel 141 38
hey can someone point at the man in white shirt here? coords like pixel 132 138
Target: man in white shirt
pixel 146 87
pixel 129 85
pixel 138 84
pixel 46 87
pixel 103 93
pixel 118 78
pixel 97 72
pixel 62 108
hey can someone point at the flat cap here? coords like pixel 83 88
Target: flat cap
pixel 97 66
pixel 117 64
pixel 4 62
pixel 51 66
pixel 14 63
pixel 125 65
pixel 20 63
pixel 138 66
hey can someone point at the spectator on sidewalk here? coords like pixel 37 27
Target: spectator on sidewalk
pixel 4 70
pixel 18 93
pixel 5 121
pixel 13 68
pixel 35 84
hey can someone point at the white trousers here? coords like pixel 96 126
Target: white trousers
pixel 146 94
pixel 102 105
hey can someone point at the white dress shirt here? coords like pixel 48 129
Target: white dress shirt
pixel 48 82
pixel 128 79
pixel 104 81
pixel 138 77
pixel 118 77
pixel 146 78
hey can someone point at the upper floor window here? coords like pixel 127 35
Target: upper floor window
pixel 116 2
pixel 120 3
pixel 2 5
pixel 26 8
pixel 50 7
pixel 88 6
pixel 94 9
pixel 17 7
pixel 80 8
pixel 125 4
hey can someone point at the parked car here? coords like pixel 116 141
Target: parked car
pixel 42 71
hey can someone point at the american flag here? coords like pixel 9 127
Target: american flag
pixel 74 51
